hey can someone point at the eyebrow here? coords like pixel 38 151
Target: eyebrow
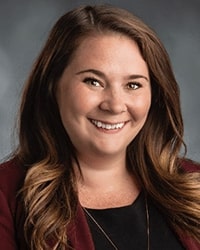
pixel 101 74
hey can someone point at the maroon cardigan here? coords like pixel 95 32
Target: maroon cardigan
pixel 12 215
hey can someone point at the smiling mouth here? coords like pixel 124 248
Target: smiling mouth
pixel 108 126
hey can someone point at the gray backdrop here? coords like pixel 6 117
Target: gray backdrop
pixel 24 26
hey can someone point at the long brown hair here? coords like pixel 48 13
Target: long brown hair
pixel 46 151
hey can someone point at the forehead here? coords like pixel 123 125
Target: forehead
pixel 99 41
pixel 108 49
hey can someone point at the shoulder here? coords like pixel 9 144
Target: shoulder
pixel 189 166
pixel 11 166
pixel 12 175
pixel 189 243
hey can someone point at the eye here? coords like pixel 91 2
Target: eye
pixel 92 81
pixel 133 85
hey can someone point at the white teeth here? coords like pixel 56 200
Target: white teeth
pixel 108 126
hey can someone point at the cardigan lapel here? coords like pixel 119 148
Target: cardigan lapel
pixel 79 233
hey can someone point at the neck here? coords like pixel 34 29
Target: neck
pixel 95 171
pixel 105 183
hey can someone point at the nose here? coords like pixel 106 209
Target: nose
pixel 113 102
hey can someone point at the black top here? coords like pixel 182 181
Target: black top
pixel 127 228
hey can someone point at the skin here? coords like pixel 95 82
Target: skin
pixel 104 96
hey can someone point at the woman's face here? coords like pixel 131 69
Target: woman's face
pixel 104 95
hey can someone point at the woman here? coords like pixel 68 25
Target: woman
pixel 100 132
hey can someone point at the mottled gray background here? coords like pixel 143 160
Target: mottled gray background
pixel 24 26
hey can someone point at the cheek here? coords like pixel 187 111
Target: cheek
pixel 140 107
pixel 74 105
pixel 80 98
